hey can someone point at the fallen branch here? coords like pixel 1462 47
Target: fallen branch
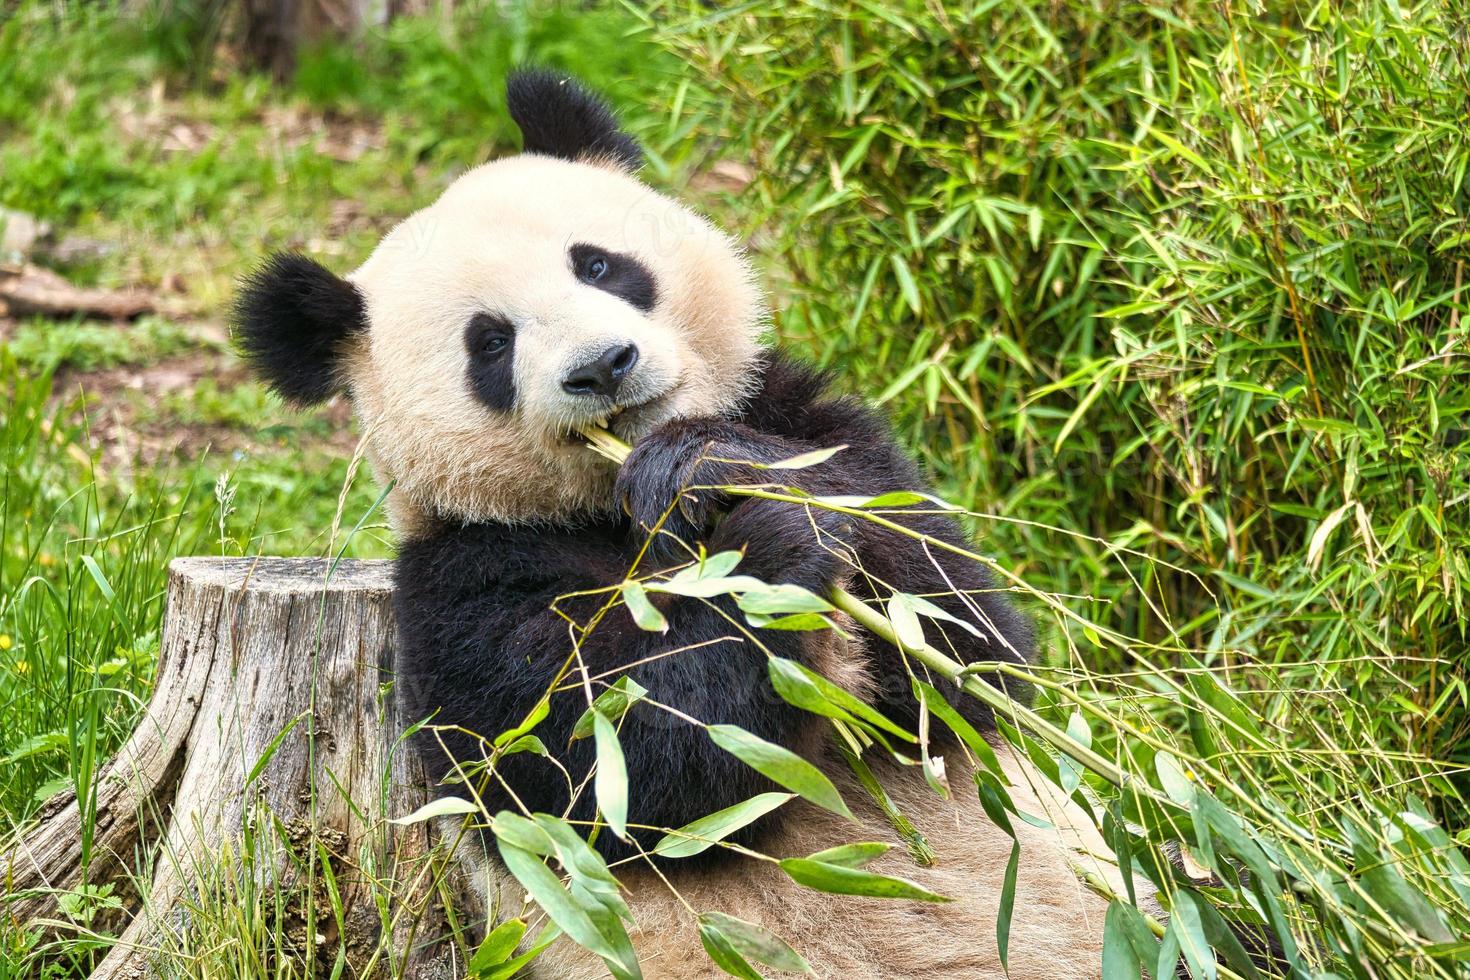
pixel 30 290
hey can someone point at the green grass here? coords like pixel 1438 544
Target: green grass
pixel 112 128
pixel 81 126
pixel 43 346
pixel 1172 296
pixel 85 549
pixel 201 176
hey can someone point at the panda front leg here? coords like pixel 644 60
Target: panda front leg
pixel 668 478
pixel 670 488
pixel 484 613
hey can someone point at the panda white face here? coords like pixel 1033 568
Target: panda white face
pixel 535 298
pixel 541 294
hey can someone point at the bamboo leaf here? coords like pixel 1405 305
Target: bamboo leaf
pixel 523 833
pixel 534 717
pixel 527 743
pixel 804 460
pixel 924 607
pixel 444 806
pixel 1222 938
pixel 1323 532
pixel 905 620
pixel 724 954
pixel 708 588
pixel 513 966
pixel 546 889
pixel 812 692
pixel 1187 926
pixel 608 912
pixel 718 565
pixel 781 766
pixel 795 622
pixel 703 833
pixel 611 780
pixel 1127 943
pixel 612 704
pixel 577 857
pixel 498 946
pixel 1069 769
pixel 851 855
pixel 1007 907
pixel 1173 780
pixel 645 614
pixel 907 287
pixel 936 705
pixel 897 498
pixel 757 942
pixel 839 880
pixel 1410 907
pixel 782 599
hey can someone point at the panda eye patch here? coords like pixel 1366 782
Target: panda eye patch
pixel 621 275
pixel 489 341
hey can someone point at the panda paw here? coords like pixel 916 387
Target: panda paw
pixel 664 484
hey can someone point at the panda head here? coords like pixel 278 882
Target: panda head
pixel 541 294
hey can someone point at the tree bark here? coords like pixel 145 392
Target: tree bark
pixel 273 32
pixel 272 710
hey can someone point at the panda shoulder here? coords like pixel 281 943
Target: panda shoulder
pixel 795 398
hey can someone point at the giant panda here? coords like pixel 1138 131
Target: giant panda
pixel 553 290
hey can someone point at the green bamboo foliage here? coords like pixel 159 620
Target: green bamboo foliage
pixel 1176 296
pixel 1186 277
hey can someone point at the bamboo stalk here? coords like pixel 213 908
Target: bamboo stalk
pixel 609 446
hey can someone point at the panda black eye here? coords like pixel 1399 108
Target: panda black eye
pixel 488 336
pixel 617 275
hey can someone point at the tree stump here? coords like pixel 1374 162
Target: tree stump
pixel 272 718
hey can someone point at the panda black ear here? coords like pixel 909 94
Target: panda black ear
pixel 293 321
pixel 560 118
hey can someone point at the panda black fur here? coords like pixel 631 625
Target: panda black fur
pixel 474 342
pixel 476 601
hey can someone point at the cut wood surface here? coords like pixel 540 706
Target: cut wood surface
pixel 272 699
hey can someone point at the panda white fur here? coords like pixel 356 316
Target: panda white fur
pixel 552 290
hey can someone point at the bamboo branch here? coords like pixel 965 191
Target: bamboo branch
pixel 609 446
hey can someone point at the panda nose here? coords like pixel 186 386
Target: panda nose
pixel 603 374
